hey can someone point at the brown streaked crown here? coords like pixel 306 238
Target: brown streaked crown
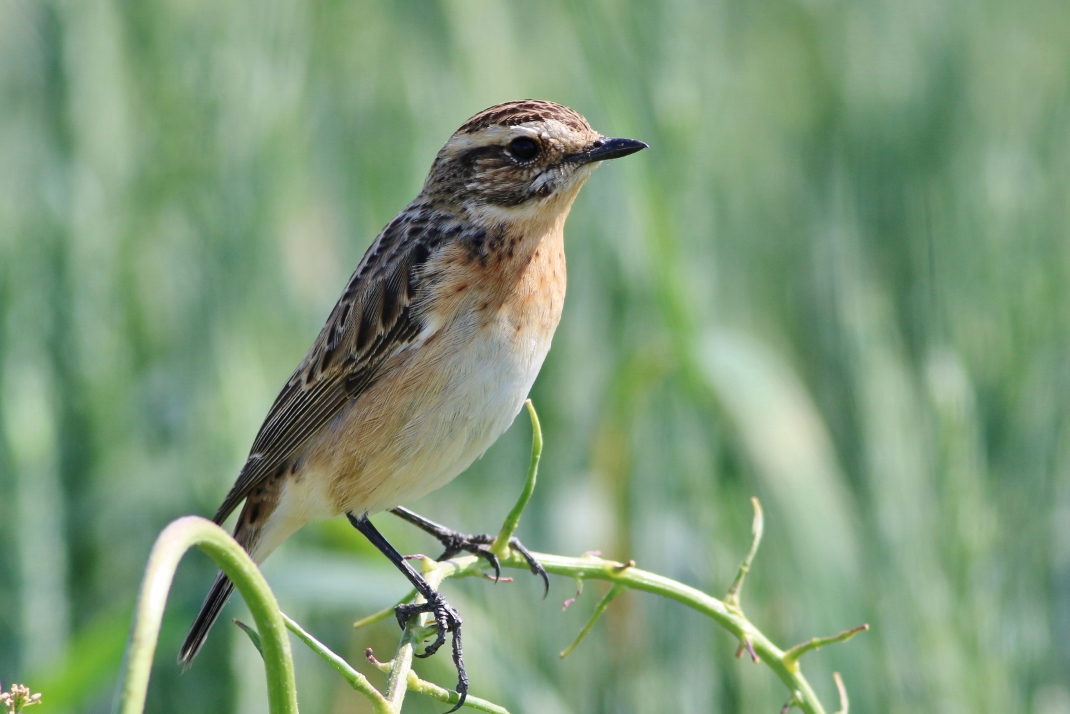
pixel 522 111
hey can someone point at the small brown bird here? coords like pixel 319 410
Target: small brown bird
pixel 431 350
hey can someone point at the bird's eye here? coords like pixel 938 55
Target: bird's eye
pixel 524 148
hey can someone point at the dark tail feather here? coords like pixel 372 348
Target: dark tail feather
pixel 221 591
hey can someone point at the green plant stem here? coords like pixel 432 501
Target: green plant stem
pixel 446 696
pixel 360 683
pixel 500 546
pixel 799 650
pixel 397 682
pixel 610 596
pixel 842 690
pixel 356 680
pixel 188 532
pixel 401 666
pixel 271 639
pixel 385 614
pixel 731 599
pixel 170 547
pixel 622 574
pixel 590 568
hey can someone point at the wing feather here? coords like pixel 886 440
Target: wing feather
pixel 373 319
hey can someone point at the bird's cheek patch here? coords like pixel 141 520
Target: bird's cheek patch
pixel 544 183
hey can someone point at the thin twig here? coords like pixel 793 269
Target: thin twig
pixel 731 599
pixel 614 591
pixel 385 613
pixel 746 646
pixel 844 703
pixel 795 700
pixel 579 591
pixel 356 680
pixel 447 696
pixel 791 657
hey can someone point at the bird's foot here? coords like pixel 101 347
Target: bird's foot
pixel 456 542
pixel 447 620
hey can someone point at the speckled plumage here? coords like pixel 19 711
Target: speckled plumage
pixel 434 344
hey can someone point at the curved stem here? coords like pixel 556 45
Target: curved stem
pixel 842 690
pixel 792 656
pixel 428 689
pixel 590 568
pixel 356 680
pixel 627 576
pixel 500 546
pixel 600 608
pixel 731 599
pixel 172 544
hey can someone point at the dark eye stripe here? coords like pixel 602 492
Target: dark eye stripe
pixel 470 157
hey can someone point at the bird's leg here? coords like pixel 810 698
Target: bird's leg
pixel 455 542
pixel 445 616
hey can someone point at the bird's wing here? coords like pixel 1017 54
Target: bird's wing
pixel 372 320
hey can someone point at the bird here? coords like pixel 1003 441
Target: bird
pixel 429 353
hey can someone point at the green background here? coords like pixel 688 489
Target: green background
pixel 838 280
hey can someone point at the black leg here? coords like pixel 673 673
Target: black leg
pixel 455 542
pixel 445 616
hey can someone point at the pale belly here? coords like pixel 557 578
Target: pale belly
pixel 425 422
pixel 474 397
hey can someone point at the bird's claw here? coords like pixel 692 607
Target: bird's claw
pixel 477 545
pixel 447 620
pixel 534 565
pixel 456 542
pixel 445 616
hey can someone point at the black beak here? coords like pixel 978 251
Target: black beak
pixel 604 149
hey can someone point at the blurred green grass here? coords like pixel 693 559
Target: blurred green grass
pixel 837 281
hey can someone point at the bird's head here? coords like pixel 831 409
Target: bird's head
pixel 522 156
